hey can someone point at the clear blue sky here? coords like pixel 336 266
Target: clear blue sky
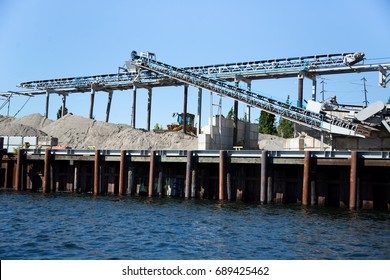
pixel 43 39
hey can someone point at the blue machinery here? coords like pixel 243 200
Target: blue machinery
pixel 144 71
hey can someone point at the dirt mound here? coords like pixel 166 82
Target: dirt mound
pixel 36 121
pixel 18 127
pixel 80 133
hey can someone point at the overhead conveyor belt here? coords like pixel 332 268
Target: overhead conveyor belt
pixel 262 69
pixel 318 121
pixel 292 64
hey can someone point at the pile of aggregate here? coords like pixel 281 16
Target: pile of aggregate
pixel 80 133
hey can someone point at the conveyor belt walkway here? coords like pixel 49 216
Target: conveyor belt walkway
pixel 318 121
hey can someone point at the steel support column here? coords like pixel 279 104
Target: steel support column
pixel 248 122
pixel 199 117
pixel 63 105
pixel 149 109
pixel 235 118
pixel 248 107
pixel 109 100
pixel 300 90
pixel 185 108
pixel 47 104
pixel 133 108
pixel 314 89
pixel 92 102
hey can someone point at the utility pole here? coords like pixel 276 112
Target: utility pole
pixel 365 92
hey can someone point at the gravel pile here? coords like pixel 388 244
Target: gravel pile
pixel 80 133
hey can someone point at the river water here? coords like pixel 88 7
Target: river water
pixel 70 226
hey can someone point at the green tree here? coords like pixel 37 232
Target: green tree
pixel 266 123
pixel 157 127
pixel 59 112
pixel 286 128
pixel 230 114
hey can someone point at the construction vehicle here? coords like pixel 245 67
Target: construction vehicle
pixel 178 125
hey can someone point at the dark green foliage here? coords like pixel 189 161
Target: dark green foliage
pixel 230 114
pixel 266 123
pixel 286 128
pixel 60 111
pixel 158 127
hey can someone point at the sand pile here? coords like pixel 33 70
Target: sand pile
pixel 19 127
pixel 79 133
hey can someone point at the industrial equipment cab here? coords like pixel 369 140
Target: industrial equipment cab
pixel 179 125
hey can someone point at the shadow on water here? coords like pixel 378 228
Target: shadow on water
pixel 83 226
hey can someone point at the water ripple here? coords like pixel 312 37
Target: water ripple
pixel 69 226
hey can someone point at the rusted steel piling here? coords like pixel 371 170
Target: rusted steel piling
pixel 122 169
pixel 309 178
pixel 96 174
pixel 46 172
pixel 19 171
pixel 187 192
pixel 263 179
pixel 228 186
pixel 193 184
pixel 352 180
pixel 222 172
pixel 306 178
pixel 151 172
